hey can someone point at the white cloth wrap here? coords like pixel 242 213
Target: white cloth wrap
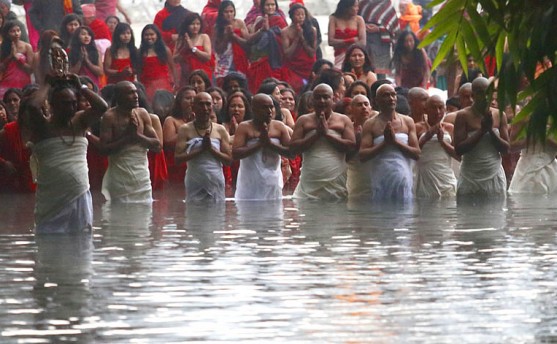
pixel 481 171
pixel 62 185
pixel 391 172
pixel 536 172
pixel 435 176
pixel 358 182
pixel 260 175
pixel 323 172
pixel 204 177
pixel 127 178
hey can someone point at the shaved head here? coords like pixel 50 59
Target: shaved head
pixel 323 87
pixel 480 85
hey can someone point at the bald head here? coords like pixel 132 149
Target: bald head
pixel 417 93
pixel 262 106
pixel 465 95
pixel 480 85
pixel 358 99
pixel 386 98
pixel 323 88
pixel 261 98
pixel 125 94
pixel 202 106
pixel 435 109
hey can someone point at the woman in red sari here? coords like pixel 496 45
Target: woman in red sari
pixel 346 27
pixel 193 50
pixel 299 41
pixel 266 48
pixel 230 40
pixel 122 56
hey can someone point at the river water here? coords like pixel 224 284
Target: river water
pixel 296 272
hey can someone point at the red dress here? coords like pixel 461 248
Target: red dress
pixel 299 67
pixel 176 173
pixel 119 65
pixel 191 62
pixel 97 164
pixel 157 169
pixel 209 15
pixel 154 76
pixel 12 149
pixel 340 53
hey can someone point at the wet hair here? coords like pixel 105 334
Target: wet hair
pixel 307 26
pixel 188 20
pixel 399 50
pixel 142 96
pixel 111 17
pixel 107 93
pixel 342 8
pixel 6 46
pixel 402 105
pixel 64 34
pixel 224 103
pixel 234 76
pixel 75 55
pixel 29 89
pixel 331 77
pixel 262 6
pixel 247 105
pixel 453 101
pixel 203 75
pixel 221 23
pixel 158 46
pixel 353 85
pixel 84 79
pixel 10 91
pixel 304 103
pixel 347 65
pixel 162 100
pixel 268 88
pixel 317 65
pixel 176 110
pixel 117 43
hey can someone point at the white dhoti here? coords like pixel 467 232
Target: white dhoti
pixel 481 171
pixel 204 177
pixel 435 177
pixel 535 173
pixel 127 178
pixel 63 201
pixel 391 172
pixel 323 172
pixel 260 175
pixel 358 182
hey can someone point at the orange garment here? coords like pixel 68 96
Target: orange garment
pixel 411 17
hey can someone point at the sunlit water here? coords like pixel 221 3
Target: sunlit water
pixel 295 272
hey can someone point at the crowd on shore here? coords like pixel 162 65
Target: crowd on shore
pixel 249 108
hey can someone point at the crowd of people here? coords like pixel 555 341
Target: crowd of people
pixel 244 108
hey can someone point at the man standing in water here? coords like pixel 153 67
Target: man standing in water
pixel 390 140
pixel 324 137
pixel 63 202
pixel 481 136
pixel 206 147
pixel 259 143
pixel 126 135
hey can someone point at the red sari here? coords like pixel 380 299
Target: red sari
pixel 119 65
pixel 298 67
pixel 97 164
pixel 157 169
pixel 191 62
pixel 155 76
pixel 176 173
pixel 340 53
pixel 12 149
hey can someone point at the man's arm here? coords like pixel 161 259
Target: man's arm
pixel 300 142
pixel 282 147
pixel 98 107
pixel 347 141
pixel 462 142
pixel 224 155
pixel 501 141
pixel 148 138
pixel 108 144
pixel 369 150
pixel 240 149
pixel 412 149
pixel 180 153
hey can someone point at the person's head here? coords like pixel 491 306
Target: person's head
pixel 452 104
pixel 357 87
pixel 2 19
pixel 465 95
pixel 192 25
pixel 123 35
pixel 63 102
pixel 262 107
pixel 173 3
pixel 162 103
pixel 319 66
pixel 346 8
pixel 219 98
pixel 151 38
pixel 234 82
pixel 333 78
pixel 270 88
pixel 435 109
pixel 349 78
pixel 357 59
pixel 470 62
pixel 239 108
pixel 479 92
pixel 83 36
pixel 323 98
pixel 111 22
pixel 287 99
pixel 12 99
pixel 183 102
pixel 360 108
pixel 202 107
pixel 5 6
pixel 268 7
pixel 3 113
pixel 386 98
pixel 374 87
pixel 226 14
pixel 305 103
pixel 150 35
pixel 11 32
pixel 298 14
pixel 89 13
pixel 417 97
pixel 125 95
pixel 199 80
pixel 45 41
pixel 69 24
pixel 85 80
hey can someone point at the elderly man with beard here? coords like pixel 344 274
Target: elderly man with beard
pixel 205 145
pixel 259 143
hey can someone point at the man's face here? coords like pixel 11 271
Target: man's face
pixel 322 99
pixel 435 110
pixel 361 108
pixel 129 97
pixel 4 9
pixel 202 106
pixel 263 109
pixel 12 103
pixel 417 103
pixel 386 98
pixel 64 103
pixel 465 97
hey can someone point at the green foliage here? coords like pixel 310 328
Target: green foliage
pixel 521 35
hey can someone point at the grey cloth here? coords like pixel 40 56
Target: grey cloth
pixel 13 17
pixel 48 14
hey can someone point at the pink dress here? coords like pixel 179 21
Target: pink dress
pixel 14 75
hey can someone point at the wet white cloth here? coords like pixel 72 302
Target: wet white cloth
pixel 536 172
pixel 260 175
pixel 63 202
pixel 323 172
pixel 204 177
pixel 358 182
pixel 127 178
pixel 435 177
pixel 391 172
pixel 481 171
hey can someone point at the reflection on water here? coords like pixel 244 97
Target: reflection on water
pixel 432 271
